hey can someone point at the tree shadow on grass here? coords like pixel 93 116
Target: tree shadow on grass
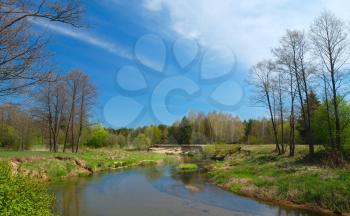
pixel 324 158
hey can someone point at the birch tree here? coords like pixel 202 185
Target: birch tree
pixel 329 37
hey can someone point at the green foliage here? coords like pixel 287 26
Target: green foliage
pixel 184 132
pixel 22 196
pixel 121 140
pixel 153 133
pixel 321 128
pixel 9 137
pixel 258 131
pixel 142 142
pixel 314 105
pixel 97 137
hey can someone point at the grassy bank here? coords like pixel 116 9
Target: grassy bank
pixel 22 190
pixel 256 171
pixel 57 166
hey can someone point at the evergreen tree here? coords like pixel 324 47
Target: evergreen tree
pixel 185 131
pixel 314 105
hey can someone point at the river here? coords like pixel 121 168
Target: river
pixel 155 191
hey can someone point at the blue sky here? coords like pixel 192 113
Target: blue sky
pixel 153 60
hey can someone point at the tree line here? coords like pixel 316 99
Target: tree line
pixel 198 128
pixel 306 65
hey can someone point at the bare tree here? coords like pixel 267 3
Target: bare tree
pixel 292 58
pixel 280 92
pixel 330 42
pixel 284 61
pixel 22 52
pixel 16 11
pixel 72 87
pixel 17 129
pixel 81 97
pixel 87 99
pixel 50 108
pixel 262 80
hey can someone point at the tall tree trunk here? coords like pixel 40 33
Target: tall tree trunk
pixel 69 121
pixel 66 134
pixel 335 100
pixel 82 104
pixel 309 136
pixel 281 113
pixel 292 117
pixel 55 123
pixel 273 122
pixel 336 115
pixel 330 134
pixel 50 118
pixel 72 116
pixel 291 133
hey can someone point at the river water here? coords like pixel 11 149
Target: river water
pixel 155 191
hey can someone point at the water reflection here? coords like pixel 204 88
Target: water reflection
pixel 155 191
pixel 153 173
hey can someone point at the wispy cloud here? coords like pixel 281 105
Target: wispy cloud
pixel 85 37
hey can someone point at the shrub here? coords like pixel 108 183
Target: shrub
pixel 142 142
pixel 121 140
pixel 97 137
pixel 22 196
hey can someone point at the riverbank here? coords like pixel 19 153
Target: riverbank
pixel 255 171
pixel 50 166
pixel 24 175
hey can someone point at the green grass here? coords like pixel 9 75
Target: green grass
pixel 187 167
pixel 57 166
pixel 219 150
pixel 258 170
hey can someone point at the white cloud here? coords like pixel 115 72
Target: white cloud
pixel 250 27
pixel 85 37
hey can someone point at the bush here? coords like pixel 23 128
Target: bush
pixel 22 196
pixel 97 137
pixel 121 140
pixel 142 142
pixel 9 137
